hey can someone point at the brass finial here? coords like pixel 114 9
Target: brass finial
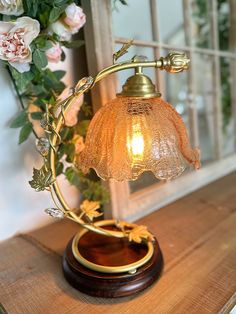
pixel 175 62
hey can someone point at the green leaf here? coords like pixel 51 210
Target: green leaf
pixel 70 152
pixel 52 82
pixel 44 17
pixel 59 74
pixel 61 2
pixel 40 59
pixel 73 176
pixel 67 134
pixel 63 55
pixel 55 13
pixel 20 120
pixel 25 132
pixel 22 79
pixel 45 45
pixel 60 151
pixel 30 7
pixel 73 44
pixel 87 109
pixel 37 115
pixel 59 168
pixel 81 127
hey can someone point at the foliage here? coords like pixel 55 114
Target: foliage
pixel 38 91
pixel 201 16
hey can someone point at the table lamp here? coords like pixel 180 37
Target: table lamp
pixel 135 132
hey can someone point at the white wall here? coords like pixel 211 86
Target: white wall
pixel 21 208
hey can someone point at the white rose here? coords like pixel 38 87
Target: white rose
pixel 75 17
pixel 11 7
pixel 15 40
pixel 62 30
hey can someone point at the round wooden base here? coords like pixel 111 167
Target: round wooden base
pixel 107 250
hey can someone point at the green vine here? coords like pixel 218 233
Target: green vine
pixel 38 89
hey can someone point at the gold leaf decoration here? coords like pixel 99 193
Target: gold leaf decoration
pixel 139 233
pixel 89 208
pixel 123 50
pixel 123 225
pixel 42 178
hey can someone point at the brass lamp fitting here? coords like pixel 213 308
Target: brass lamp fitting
pixel 139 85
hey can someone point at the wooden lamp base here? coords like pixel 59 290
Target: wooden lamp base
pixel 110 252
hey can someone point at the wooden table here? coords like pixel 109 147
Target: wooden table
pixel 196 233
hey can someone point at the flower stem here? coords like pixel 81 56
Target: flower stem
pixel 19 95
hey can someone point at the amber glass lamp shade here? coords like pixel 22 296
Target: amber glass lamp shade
pixel 130 135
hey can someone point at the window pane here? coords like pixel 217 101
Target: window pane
pixel 228 124
pixel 171 22
pixel 223 24
pixel 133 20
pixel 201 19
pixel 175 91
pixel 204 99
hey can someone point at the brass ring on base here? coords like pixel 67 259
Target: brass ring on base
pixel 124 274
pixel 120 267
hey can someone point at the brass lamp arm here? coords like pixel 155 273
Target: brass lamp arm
pixel 173 63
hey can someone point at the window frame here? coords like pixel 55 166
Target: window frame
pixel 125 205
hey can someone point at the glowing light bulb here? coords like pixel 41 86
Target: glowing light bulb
pixel 135 143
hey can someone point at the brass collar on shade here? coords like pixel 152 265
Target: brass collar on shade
pixel 139 85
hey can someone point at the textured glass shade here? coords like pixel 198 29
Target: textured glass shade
pixel 130 135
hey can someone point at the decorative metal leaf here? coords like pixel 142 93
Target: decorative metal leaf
pixel 123 50
pixel 89 208
pixel 140 233
pixel 42 178
pixel 55 212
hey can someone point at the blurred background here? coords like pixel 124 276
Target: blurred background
pixel 205 97
pixel 202 95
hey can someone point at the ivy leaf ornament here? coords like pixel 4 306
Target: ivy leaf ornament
pixel 42 178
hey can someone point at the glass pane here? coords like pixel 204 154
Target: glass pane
pixel 204 99
pixel 201 19
pixel 133 20
pixel 175 91
pixel 228 124
pixel 171 22
pixel 223 24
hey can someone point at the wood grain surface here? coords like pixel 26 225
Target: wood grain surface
pixel 197 235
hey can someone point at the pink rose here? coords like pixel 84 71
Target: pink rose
pixel 75 17
pixel 54 53
pixel 15 40
pixel 71 115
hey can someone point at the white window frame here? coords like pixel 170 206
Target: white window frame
pixel 99 47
